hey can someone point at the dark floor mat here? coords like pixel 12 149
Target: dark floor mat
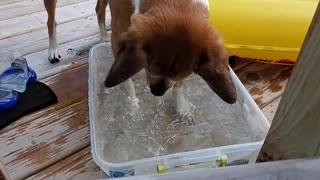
pixel 36 97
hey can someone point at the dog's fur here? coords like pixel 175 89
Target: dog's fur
pixel 170 39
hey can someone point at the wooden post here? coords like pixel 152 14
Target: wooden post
pixel 295 130
pixel 3 174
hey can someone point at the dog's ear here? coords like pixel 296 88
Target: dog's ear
pixel 129 60
pixel 214 69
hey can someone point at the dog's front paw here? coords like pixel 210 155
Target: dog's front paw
pixel 185 110
pixel 105 38
pixel 54 56
pixel 163 106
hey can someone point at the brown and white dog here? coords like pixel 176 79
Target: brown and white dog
pixel 170 39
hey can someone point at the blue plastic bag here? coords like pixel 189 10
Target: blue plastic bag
pixel 15 74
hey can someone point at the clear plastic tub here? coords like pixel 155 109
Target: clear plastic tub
pixel 253 129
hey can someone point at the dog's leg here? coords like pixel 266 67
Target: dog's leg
pixel 101 15
pixel 128 88
pixel 54 55
pixel 136 6
pixel 183 106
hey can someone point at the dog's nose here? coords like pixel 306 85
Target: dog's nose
pixel 157 92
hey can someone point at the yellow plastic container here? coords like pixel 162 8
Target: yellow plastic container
pixel 268 31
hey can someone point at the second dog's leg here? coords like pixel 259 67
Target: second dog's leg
pixel 101 15
pixel 54 55
pixel 183 106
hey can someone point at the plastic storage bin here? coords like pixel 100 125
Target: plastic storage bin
pixel 249 150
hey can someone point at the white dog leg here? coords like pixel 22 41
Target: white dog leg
pixel 101 15
pixel 53 54
pixel 183 107
pixel 129 90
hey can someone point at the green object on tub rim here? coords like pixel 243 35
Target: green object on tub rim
pixel 161 168
pixel 223 161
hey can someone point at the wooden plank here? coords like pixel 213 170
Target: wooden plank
pixel 75 52
pixel 239 64
pixel 69 84
pixel 3 173
pixel 79 166
pixel 55 133
pixel 5 2
pixel 270 110
pixel 37 40
pixel 76 78
pixel 294 132
pixel 31 22
pixel 76 38
pixel 76 41
pixel 27 7
pixel 265 82
pixel 44 141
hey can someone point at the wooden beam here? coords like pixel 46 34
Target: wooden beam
pixel 78 166
pixel 15 9
pixel 264 82
pixel 270 110
pixel 52 134
pixel 3 174
pixel 295 130
pixel 292 169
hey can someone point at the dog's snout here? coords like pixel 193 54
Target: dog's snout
pixel 157 92
pixel 159 87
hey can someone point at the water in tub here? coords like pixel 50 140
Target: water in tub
pixel 155 129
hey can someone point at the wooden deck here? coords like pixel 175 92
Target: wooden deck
pixel 54 143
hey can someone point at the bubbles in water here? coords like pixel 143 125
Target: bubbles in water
pixel 107 91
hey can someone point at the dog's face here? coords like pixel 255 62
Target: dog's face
pixel 168 63
pixel 170 55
